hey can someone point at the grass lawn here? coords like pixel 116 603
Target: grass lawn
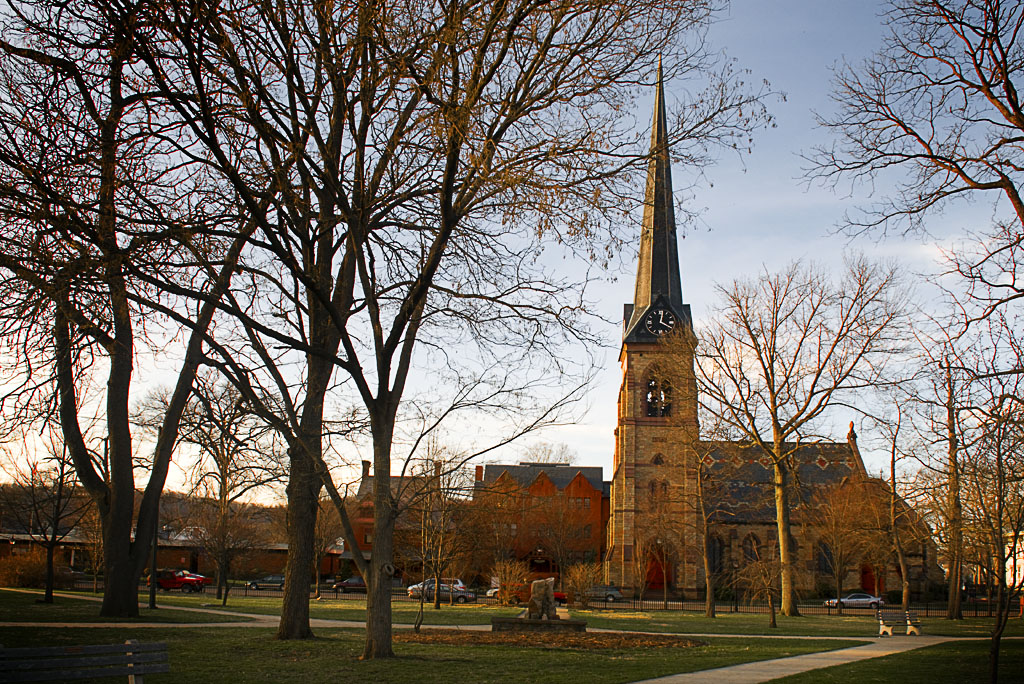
pixel 233 655
pixel 748 623
pixel 402 612
pixel 956 661
pixel 17 606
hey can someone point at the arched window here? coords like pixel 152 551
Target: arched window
pixel 824 558
pixel 715 549
pixel 751 548
pixel 659 397
pixel 658 460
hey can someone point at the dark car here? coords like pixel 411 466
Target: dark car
pixel 605 592
pixel 354 584
pixel 268 582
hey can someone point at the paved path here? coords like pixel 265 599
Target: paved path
pixel 767 670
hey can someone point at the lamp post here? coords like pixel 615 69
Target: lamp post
pixel 735 599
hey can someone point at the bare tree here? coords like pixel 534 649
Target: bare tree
pixel 43 499
pixel 759 578
pixel 935 118
pixel 549 452
pixel 418 163
pixel 839 517
pixel 235 453
pixel 579 579
pixel 96 208
pixel 782 351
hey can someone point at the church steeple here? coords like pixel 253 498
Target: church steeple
pixel 657 278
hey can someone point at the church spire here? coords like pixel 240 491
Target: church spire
pixel 657 276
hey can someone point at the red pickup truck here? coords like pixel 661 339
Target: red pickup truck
pixel 169 580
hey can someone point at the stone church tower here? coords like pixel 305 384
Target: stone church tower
pixel 657 411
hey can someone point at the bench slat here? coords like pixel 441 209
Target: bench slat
pixel 44 651
pixel 87 661
pixel 63 675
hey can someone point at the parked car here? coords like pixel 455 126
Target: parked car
pixel 169 580
pixel 856 601
pixel 605 592
pixel 415 589
pixel 353 584
pixel 447 593
pixel 268 582
pixel 493 592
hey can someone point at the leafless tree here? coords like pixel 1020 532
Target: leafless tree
pixel 993 468
pixel 42 498
pixel 579 579
pixel 759 578
pixel 549 452
pixel 935 118
pixel 97 207
pixel 233 454
pixel 415 165
pixel 838 515
pixel 786 348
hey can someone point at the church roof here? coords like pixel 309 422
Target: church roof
pixel 658 282
pixel 741 477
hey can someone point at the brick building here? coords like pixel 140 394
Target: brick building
pixel 548 514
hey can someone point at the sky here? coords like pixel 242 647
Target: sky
pixel 757 212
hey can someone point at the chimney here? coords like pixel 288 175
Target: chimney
pixel 479 473
pixel 437 469
pixel 366 469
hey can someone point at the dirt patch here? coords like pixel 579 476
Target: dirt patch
pixel 563 640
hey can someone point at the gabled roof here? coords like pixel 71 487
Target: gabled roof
pixel 741 476
pixel 560 474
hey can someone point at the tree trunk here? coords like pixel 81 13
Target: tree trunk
pixel 378 600
pixel 303 501
pixel 781 480
pixel 121 590
pixel 771 609
pixel 378 596
pixel 48 587
pixel 955 536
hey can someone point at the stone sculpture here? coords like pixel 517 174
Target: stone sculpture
pixel 542 600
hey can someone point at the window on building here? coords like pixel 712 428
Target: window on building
pixel 367 537
pixel 715 553
pixel 658 460
pixel 586 502
pixel 751 548
pixel 587 531
pixel 659 397
pixel 824 558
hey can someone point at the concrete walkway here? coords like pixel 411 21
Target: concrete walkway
pixel 767 670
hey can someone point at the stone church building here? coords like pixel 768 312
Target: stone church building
pixel 654 486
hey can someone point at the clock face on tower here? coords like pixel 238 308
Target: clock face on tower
pixel 659 321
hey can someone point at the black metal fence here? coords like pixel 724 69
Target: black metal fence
pixel 647 604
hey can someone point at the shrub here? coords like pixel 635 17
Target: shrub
pixel 579 579
pixel 24 569
pixel 511 574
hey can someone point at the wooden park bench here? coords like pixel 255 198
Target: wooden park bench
pixel 62 663
pixel 887 619
pixel 913 623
